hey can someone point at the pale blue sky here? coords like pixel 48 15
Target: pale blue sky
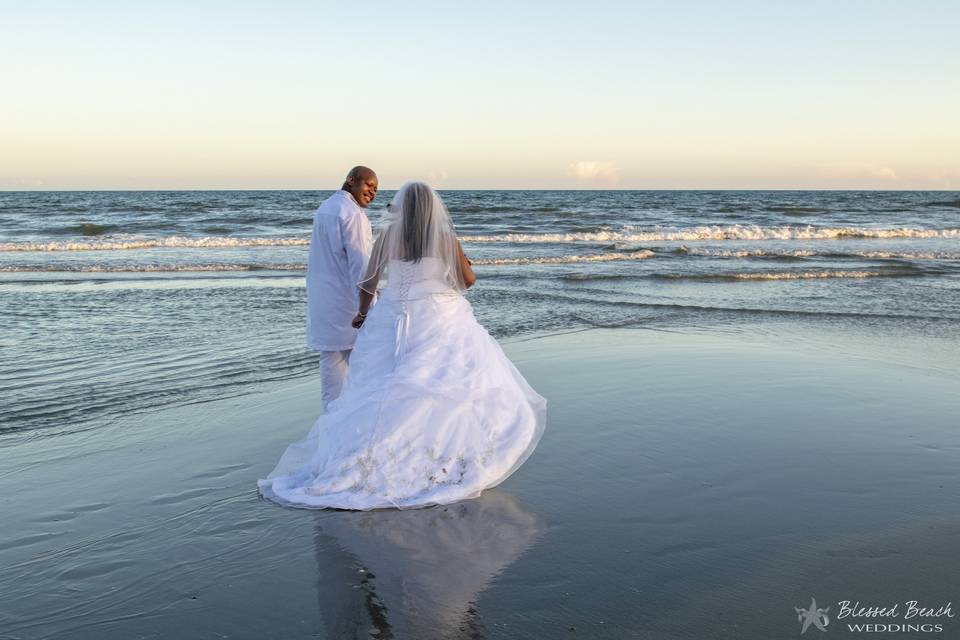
pixel 486 95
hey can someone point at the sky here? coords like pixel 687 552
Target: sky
pixel 497 95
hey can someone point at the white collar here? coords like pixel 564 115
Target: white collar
pixel 350 196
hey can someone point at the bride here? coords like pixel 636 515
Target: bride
pixel 432 411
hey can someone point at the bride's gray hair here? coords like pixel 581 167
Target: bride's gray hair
pixel 417 207
pixel 415 226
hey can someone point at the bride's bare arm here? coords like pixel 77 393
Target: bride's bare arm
pixel 469 278
pixel 366 298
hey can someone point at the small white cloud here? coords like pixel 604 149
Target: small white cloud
pixel 437 176
pixel 860 171
pixel 594 173
pixel 884 172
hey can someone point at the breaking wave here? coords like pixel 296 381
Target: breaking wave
pixel 271 266
pixel 744 253
pixel 782 275
pixel 600 257
pixel 151 268
pixel 119 243
pixel 733 232
pixel 807 253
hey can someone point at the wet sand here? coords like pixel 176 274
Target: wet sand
pixel 690 484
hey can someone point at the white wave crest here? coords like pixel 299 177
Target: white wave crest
pixel 733 232
pixel 628 234
pixel 806 253
pixel 160 268
pixel 747 253
pixel 781 275
pixel 600 257
pixel 910 255
pixel 808 275
pixel 120 243
pixel 150 268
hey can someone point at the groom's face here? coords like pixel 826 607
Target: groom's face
pixel 363 188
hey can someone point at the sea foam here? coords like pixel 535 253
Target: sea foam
pixel 807 253
pixel 120 243
pixel 600 257
pixel 151 268
pixel 627 234
pixel 783 275
pixel 733 232
pixel 272 266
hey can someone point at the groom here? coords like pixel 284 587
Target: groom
pixel 339 249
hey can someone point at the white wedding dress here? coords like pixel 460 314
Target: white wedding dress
pixel 432 411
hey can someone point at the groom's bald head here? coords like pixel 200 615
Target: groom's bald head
pixel 362 184
pixel 360 172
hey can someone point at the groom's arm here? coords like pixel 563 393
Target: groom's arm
pixel 355 233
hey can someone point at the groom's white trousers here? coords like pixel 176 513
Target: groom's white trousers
pixel 333 370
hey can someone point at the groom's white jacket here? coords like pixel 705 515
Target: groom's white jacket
pixel 339 249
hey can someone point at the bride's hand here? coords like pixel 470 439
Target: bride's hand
pixel 358 320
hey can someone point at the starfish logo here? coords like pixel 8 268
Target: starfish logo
pixel 813 615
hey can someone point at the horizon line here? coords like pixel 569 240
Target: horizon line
pixel 825 190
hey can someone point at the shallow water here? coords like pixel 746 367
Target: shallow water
pixel 115 302
pixel 692 483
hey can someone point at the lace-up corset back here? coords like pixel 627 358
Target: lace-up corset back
pixel 412 280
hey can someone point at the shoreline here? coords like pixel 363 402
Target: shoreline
pixel 682 472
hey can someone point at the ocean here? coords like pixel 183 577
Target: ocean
pixel 120 302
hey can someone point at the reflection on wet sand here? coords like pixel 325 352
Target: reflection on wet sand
pixel 880 569
pixel 417 573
